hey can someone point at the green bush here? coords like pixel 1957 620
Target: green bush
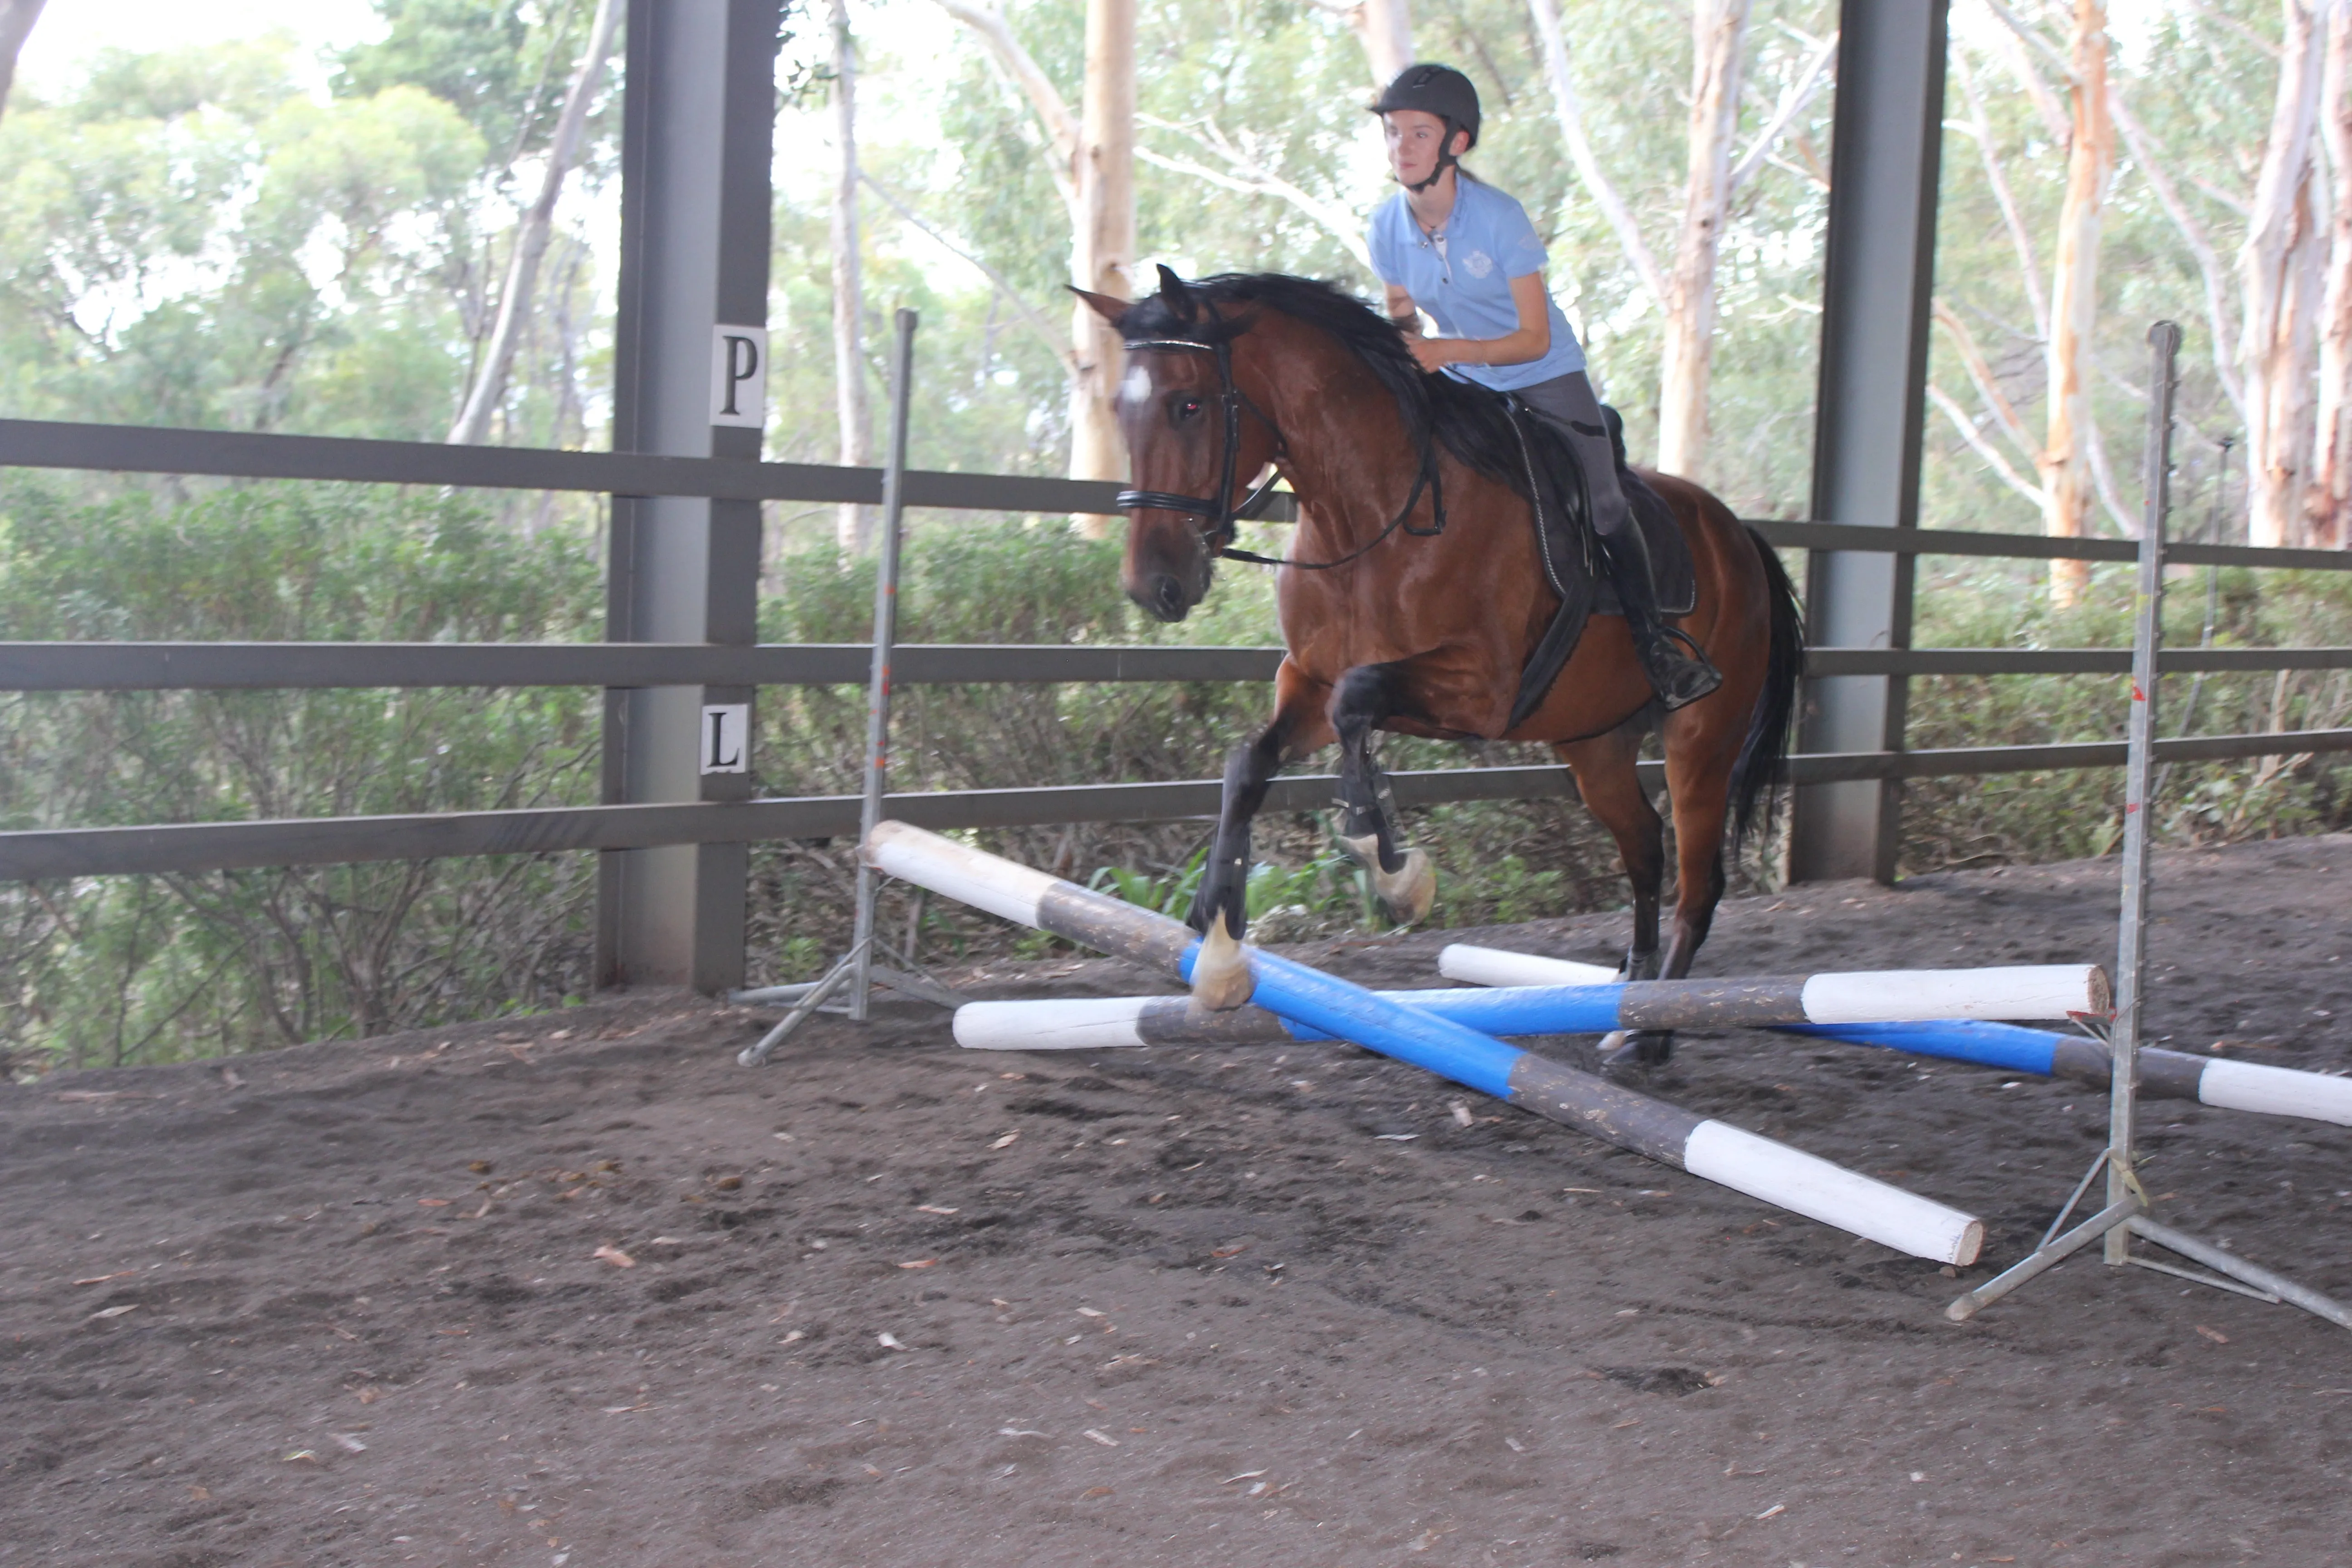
pixel 2023 818
pixel 112 970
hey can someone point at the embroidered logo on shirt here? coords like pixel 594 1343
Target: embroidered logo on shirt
pixel 1478 264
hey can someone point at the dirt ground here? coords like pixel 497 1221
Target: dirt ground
pixel 580 1291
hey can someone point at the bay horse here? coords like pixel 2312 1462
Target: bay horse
pixel 1412 595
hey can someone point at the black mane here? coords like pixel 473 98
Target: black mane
pixel 1469 419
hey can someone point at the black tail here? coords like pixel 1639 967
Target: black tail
pixel 1763 764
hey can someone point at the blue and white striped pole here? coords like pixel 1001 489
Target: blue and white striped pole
pixel 1098 1023
pixel 2053 991
pixel 1785 1177
pixel 1966 1033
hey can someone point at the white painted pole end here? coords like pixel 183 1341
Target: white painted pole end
pixel 966 875
pixel 1477 965
pixel 2277 1091
pixel 1859 1204
pixel 1930 995
pixel 1061 1024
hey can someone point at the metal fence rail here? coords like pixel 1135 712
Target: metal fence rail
pixel 233 667
pixel 218 666
pixel 142 449
pixel 316 841
pixel 195 847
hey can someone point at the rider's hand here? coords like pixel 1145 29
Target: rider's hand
pixel 1434 353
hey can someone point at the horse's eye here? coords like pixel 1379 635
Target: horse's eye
pixel 1187 408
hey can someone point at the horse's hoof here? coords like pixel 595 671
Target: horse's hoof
pixel 1364 851
pixel 1637 1048
pixel 1220 972
pixel 1409 895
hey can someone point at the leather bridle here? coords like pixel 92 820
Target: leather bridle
pixel 1224 514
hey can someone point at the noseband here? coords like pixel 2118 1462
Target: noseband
pixel 1222 514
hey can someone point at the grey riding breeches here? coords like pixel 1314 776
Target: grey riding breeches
pixel 1567 404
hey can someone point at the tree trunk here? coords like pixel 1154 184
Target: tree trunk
pixel 2329 500
pixel 1718 46
pixel 531 234
pixel 854 524
pixel 1103 242
pixel 16 19
pixel 1385 29
pixel 2068 485
pixel 2275 267
pixel 1570 113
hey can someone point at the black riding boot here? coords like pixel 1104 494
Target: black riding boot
pixel 1679 677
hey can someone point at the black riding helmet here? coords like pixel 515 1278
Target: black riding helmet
pixel 1435 89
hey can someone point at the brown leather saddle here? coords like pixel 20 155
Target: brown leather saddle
pixel 1570 554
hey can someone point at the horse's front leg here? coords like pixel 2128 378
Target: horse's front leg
pixel 1403 878
pixel 1221 977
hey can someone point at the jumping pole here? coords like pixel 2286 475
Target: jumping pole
pixel 2163 1075
pixel 1901 997
pixel 1111 1023
pixel 2047 991
pixel 2125 1214
pixel 1785 1177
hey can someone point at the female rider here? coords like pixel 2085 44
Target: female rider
pixel 1457 248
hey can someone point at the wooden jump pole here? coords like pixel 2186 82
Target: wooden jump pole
pixel 2052 991
pixel 1785 1177
pixel 1771 1002
pixel 2163 1075
pixel 1111 1023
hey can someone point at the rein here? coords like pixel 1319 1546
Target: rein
pixel 1223 515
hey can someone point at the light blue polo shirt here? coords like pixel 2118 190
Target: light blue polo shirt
pixel 1466 287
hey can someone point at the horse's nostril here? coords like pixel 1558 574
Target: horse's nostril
pixel 1170 594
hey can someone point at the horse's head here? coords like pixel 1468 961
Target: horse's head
pixel 1193 462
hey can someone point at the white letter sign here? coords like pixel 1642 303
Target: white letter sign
pixel 727 738
pixel 739 376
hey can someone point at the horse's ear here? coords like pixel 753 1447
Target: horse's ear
pixel 1110 309
pixel 1175 294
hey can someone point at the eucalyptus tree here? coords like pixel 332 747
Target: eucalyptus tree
pixel 16 19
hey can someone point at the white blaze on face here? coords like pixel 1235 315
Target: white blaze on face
pixel 1137 386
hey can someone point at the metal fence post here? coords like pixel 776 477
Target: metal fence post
pixel 1878 276
pixel 696 141
pixel 2140 772
pixel 886 638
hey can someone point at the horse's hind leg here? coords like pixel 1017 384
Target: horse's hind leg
pixel 1403 878
pixel 1605 776
pixel 1613 792
pixel 1698 777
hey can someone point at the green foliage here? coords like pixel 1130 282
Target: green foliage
pixel 503 66
pixel 113 970
pixel 467 54
pixel 190 241
pixel 1328 884
pixel 2078 812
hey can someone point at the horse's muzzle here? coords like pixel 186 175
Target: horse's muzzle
pixel 1162 594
